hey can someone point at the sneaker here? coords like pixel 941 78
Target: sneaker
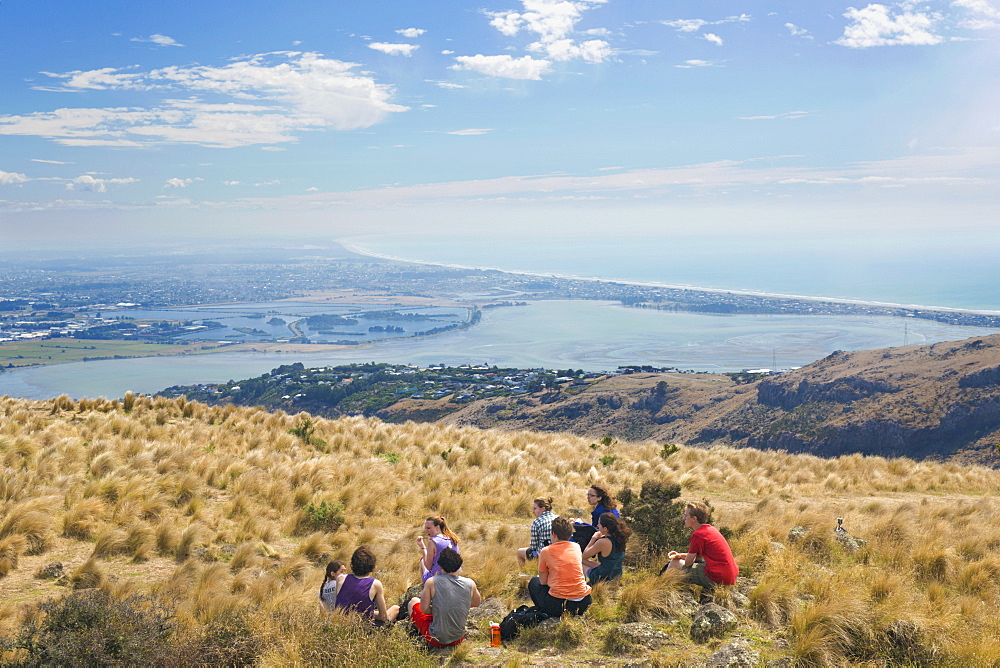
pixel 705 599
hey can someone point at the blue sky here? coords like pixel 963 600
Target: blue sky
pixel 135 121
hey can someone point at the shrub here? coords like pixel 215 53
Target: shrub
pixel 323 516
pixel 655 514
pixel 669 449
pixel 90 628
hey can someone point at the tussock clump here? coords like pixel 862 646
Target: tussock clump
pixel 190 538
pixel 88 575
pixel 11 549
pixel 110 542
pixel 28 520
pixel 83 517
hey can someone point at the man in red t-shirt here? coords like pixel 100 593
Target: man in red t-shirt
pixel 708 561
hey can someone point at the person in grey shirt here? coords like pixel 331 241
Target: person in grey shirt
pixel 441 610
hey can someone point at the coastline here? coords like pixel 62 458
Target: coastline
pixel 353 247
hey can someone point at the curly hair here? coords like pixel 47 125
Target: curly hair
pixel 604 497
pixel 618 531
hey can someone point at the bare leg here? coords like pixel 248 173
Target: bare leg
pixel 392 613
pixel 522 556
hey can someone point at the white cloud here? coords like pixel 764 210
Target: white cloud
pixel 470 131
pixel 554 22
pixel 101 79
pixel 796 31
pixel 51 162
pixel 162 40
pixel 11 178
pixel 411 33
pixel 945 170
pixel 447 52
pixel 314 189
pixel 180 183
pixel 983 15
pixel 686 25
pixel 785 115
pixel 92 184
pixel 448 84
pixel 272 182
pixel 694 25
pixel 271 98
pixel 879 25
pixel 394 49
pixel 507 67
pixel 591 51
pixel 688 64
pixel 230 183
pixel 713 38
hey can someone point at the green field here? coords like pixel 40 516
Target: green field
pixel 61 351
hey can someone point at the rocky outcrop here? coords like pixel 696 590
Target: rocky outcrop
pixel 711 621
pixel 735 654
pixel 787 394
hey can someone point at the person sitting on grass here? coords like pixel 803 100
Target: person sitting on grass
pixel 441 537
pixel 600 498
pixel 603 556
pixel 541 530
pixel 443 607
pixel 560 585
pixel 709 559
pixel 362 593
pixel 328 590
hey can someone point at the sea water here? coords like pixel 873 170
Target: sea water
pixel 942 271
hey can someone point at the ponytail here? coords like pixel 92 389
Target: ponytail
pixel 439 522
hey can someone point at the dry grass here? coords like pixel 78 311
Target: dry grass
pixel 207 505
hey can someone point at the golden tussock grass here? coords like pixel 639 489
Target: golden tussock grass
pixel 209 504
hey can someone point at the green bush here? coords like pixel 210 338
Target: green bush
pixel 655 514
pixel 324 516
pixel 90 628
pixel 669 449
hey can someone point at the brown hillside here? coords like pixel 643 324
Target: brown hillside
pixel 937 401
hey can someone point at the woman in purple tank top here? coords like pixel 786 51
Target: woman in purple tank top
pixel 360 592
pixel 430 551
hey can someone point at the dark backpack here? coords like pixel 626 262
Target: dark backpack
pixel 520 618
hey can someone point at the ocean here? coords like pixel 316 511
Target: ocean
pixel 937 271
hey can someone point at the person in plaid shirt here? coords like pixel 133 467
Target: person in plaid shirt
pixel 541 530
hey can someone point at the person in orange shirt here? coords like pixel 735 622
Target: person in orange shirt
pixel 560 585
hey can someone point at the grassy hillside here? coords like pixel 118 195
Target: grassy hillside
pixel 936 401
pixel 195 534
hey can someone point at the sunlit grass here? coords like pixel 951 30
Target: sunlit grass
pixel 209 504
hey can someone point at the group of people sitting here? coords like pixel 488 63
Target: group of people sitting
pixel 439 613
pixel 572 556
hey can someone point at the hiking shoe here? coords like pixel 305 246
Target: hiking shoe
pixel 705 599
